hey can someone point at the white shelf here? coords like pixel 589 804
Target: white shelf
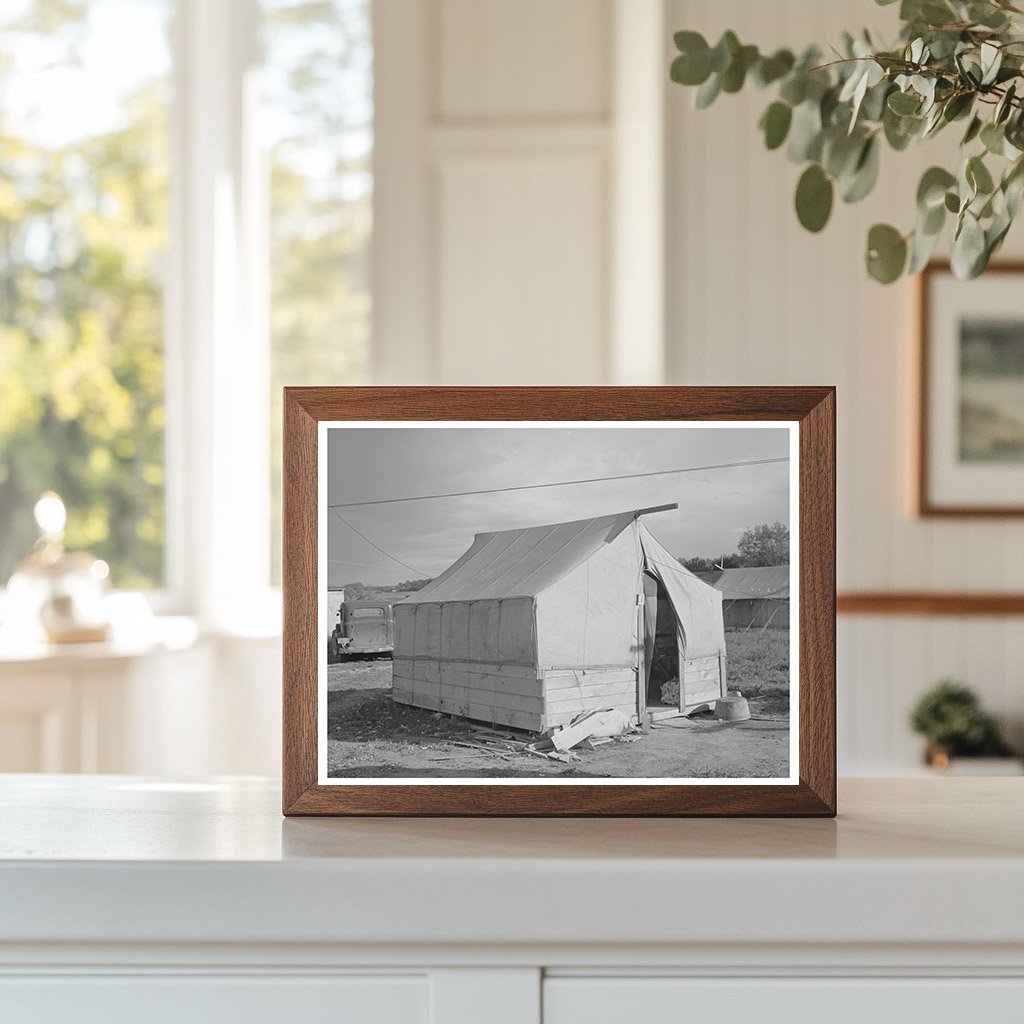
pixel 914 861
pixel 128 896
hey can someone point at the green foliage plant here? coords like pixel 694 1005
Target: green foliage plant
pixel 957 62
pixel 950 717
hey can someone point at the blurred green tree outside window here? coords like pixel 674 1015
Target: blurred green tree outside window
pixel 84 211
pixel 83 236
pixel 317 119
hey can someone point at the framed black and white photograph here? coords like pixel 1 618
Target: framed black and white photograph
pixel 586 614
pixel 971 393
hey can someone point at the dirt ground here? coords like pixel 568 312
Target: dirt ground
pixel 369 735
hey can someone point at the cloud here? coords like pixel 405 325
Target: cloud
pixel 371 463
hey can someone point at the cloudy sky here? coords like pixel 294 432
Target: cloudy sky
pixel 367 464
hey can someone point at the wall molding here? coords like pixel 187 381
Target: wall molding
pixel 916 603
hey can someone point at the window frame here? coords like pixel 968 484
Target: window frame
pixel 217 351
pixel 216 329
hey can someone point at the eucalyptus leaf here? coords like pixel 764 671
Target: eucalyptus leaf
pixel 968 254
pixel 922 247
pixel 827 106
pixel 886 253
pixel 865 174
pixel 944 44
pixel 805 133
pixel 735 74
pixel 775 124
pixel 932 221
pixel 973 130
pixel 993 138
pixel 957 106
pixel 771 69
pixel 929 12
pixel 794 88
pixel 724 51
pixel 978 176
pixel 707 93
pixel 991 60
pixel 1014 192
pixel 900 130
pixel 814 196
pixel 689 70
pixel 933 122
pixel 875 98
pixel 1005 105
pixel 1013 187
pixel 931 190
pixel 840 152
pixel 966 187
pixel 903 103
pixel 987 15
pixel 925 87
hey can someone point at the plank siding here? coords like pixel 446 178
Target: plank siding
pixel 566 694
pixel 509 695
pixel 702 680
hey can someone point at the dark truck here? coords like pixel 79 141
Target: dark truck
pixel 365 627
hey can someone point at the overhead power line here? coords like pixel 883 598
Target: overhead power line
pixel 558 483
pixel 386 554
pixel 364 565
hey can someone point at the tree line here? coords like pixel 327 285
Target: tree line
pixel 764 544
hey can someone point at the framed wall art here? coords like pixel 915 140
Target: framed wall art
pixel 559 601
pixel 970 444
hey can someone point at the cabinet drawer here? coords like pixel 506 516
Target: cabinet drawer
pixel 672 1000
pixel 202 999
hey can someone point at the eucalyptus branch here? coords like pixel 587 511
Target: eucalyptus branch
pixel 954 60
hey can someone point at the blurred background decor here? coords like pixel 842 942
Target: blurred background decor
pixel 203 200
pixel 53 593
pixel 836 104
pixel 971 393
pixel 951 719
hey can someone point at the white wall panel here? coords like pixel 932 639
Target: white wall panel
pixel 530 58
pixel 521 282
pixel 754 299
pixel 522 145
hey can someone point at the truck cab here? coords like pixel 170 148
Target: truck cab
pixel 364 627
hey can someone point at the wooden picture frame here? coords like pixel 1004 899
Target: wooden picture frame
pixel 933 474
pixel 810 791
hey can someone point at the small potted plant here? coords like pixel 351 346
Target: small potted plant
pixel 950 718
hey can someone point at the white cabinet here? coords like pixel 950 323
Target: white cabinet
pixel 828 1000
pixel 201 999
pixel 174 705
pixel 98 707
pixel 129 899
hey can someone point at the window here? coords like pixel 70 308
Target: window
pixel 83 235
pixel 317 117
pixel 366 613
pixel 202 165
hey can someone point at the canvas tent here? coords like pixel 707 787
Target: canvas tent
pixel 753 597
pixel 529 627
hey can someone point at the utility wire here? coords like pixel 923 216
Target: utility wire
pixel 386 554
pixel 556 483
pixel 365 565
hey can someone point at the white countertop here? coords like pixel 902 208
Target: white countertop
pixel 120 859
